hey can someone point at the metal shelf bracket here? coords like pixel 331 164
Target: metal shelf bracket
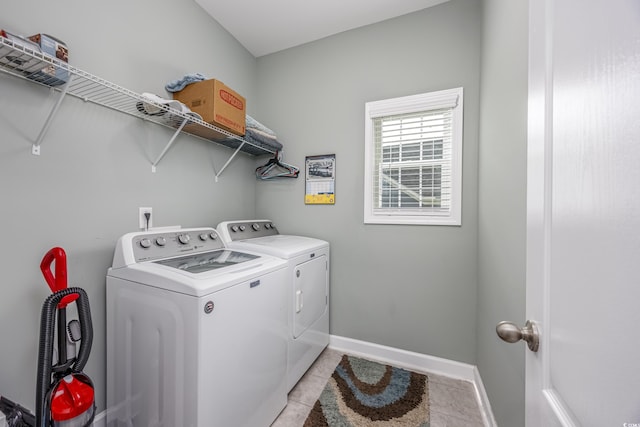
pixel 35 148
pixel 229 161
pixel 169 144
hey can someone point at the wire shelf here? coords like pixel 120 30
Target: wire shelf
pixel 19 58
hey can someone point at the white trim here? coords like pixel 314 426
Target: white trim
pixel 483 398
pixel 101 419
pixel 403 358
pixel 449 98
pixel 559 408
pixel 421 363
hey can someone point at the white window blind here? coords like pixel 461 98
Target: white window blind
pixel 413 150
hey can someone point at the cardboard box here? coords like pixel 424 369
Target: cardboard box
pixel 51 75
pixel 217 103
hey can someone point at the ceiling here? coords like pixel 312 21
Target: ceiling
pixel 268 26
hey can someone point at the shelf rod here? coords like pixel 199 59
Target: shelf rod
pixel 35 149
pixel 173 138
pixel 229 161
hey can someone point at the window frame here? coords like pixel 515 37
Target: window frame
pixel 449 98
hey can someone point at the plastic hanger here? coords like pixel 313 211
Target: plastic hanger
pixel 275 168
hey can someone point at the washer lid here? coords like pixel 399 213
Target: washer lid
pixel 207 261
pixel 212 275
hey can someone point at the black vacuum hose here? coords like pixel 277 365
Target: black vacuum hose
pixel 86 330
pixel 45 351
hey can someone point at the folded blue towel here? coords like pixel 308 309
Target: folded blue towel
pixel 262 140
pixel 252 123
pixel 178 85
pixel 260 135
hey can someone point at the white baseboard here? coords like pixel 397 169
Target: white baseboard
pixel 100 420
pixel 485 405
pixel 421 363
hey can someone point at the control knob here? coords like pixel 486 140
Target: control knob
pixel 203 237
pixel 161 241
pixel 234 228
pixel 255 226
pixel 242 228
pixel 213 235
pixel 145 243
pixel 184 238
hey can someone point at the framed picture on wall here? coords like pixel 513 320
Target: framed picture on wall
pixel 320 180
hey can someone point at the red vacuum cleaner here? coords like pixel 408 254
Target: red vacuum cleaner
pixel 65 396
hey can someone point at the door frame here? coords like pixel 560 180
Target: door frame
pixel 543 406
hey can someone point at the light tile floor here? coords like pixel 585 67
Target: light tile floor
pixel 452 402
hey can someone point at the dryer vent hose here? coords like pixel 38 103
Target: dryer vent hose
pixel 47 333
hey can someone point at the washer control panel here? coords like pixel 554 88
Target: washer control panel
pixel 150 245
pixel 241 230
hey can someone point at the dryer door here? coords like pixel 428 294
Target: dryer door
pixel 309 293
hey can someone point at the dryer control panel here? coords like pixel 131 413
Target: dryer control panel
pixel 241 230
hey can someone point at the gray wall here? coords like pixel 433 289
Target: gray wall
pixel 314 96
pixel 84 191
pixel 502 203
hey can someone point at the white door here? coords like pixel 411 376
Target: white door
pixel 583 214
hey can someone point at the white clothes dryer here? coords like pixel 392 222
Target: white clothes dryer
pixel 196 332
pixel 308 293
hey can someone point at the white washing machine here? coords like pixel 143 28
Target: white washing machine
pixel 196 332
pixel 308 294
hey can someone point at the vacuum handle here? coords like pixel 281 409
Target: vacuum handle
pixel 59 281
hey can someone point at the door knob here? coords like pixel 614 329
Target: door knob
pixel 510 332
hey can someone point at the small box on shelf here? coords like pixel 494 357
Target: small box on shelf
pixel 17 60
pixel 51 75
